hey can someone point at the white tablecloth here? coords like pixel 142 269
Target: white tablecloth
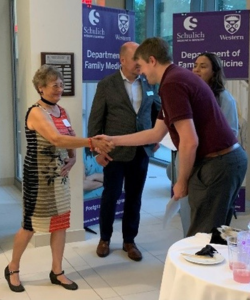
pixel 183 280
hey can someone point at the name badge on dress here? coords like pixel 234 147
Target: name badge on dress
pixel 66 123
pixel 150 93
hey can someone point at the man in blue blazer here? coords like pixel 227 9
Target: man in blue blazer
pixel 124 103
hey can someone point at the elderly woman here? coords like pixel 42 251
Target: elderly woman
pixel 51 144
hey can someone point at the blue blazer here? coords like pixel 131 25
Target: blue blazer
pixel 113 114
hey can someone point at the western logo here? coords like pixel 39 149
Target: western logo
pixel 123 23
pixel 232 23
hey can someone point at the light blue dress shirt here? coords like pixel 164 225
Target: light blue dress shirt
pixel 134 91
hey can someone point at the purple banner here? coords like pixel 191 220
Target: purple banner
pixel 92 210
pixel 104 31
pixel 240 204
pixel 225 33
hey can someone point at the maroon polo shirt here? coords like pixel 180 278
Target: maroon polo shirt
pixel 184 95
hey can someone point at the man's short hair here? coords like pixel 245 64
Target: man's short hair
pixel 156 47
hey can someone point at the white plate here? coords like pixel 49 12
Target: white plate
pixel 202 260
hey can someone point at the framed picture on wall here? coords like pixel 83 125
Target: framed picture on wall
pixel 65 63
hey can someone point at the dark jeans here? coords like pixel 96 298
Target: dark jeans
pixel 213 189
pixel 133 173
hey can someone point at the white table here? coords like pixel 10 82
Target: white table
pixel 183 280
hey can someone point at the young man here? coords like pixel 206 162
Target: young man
pixel 212 165
pixel 124 103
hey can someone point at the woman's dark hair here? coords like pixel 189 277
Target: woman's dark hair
pixel 217 82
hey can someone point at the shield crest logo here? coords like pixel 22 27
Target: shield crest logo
pixel 232 23
pixel 123 23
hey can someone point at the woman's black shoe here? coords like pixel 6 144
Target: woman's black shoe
pixel 53 278
pixel 15 288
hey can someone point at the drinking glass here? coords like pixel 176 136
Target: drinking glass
pixel 241 269
pixel 233 253
pixel 239 256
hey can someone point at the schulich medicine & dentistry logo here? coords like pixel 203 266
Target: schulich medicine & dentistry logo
pixel 94 31
pixel 190 23
pixel 94 17
pixel 231 24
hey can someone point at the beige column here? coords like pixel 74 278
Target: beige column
pixel 7 146
pixel 53 26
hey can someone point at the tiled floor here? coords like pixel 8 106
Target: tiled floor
pixel 115 277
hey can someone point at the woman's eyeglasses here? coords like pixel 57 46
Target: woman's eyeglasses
pixel 56 86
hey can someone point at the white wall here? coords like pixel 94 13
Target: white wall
pixel 53 26
pixel 6 111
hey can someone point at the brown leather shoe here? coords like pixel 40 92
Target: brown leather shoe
pixel 102 249
pixel 133 252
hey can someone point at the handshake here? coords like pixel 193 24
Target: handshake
pixel 101 144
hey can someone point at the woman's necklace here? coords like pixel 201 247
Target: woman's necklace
pixel 47 102
pixel 51 108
